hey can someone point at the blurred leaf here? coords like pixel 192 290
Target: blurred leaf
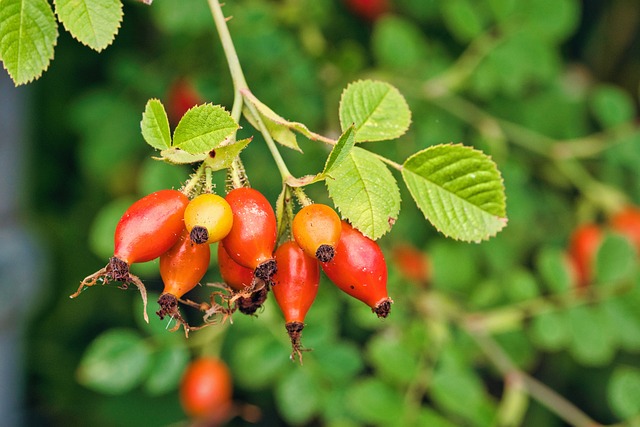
pixel 550 330
pixel 457 267
pixel 298 396
pixel 154 176
pixel 182 16
pixel 104 226
pixel 460 392
pixel 393 359
pixel 623 391
pixel 28 33
pixel 373 401
pixel 431 418
pixel 203 128
pixel 398 44
pixel 521 286
pixel 554 20
pixel 339 361
pixel 155 125
pixel 377 109
pixel 340 151
pixel 168 364
pixel 611 105
pixel 553 265
pixel 518 347
pixel 93 23
pixel 623 314
pixel 592 340
pixel 463 18
pixel 459 190
pixel 615 260
pixel 266 357
pixel 115 362
pixel 365 192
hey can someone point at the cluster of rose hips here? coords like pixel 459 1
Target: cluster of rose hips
pixel 178 230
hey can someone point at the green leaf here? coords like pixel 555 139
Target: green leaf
pixel 155 125
pixel 298 396
pixel 280 129
pixel 555 268
pixel 429 417
pixel 176 156
pixel 592 340
pixel 615 260
pixel 339 361
pixel 365 192
pixel 463 19
pixel 373 401
pixel 398 44
pixel 550 331
pixel 203 128
pixel 623 391
pixel 167 367
pixel 222 156
pixel 267 358
pixel 461 392
pixel 28 33
pixel 398 367
pixel 611 105
pixel 377 109
pixel 340 151
pixel 94 23
pixel 459 190
pixel 104 224
pixel 115 362
pixel 623 314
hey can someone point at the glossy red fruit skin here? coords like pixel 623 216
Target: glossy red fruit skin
pixel 295 284
pixel 150 227
pixel 369 10
pixel 358 267
pixel 627 223
pixel 184 265
pixel 583 246
pixel 206 390
pixel 238 277
pixel 252 238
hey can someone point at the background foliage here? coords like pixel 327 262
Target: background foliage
pixel 548 88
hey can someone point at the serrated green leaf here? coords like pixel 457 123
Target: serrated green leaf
pixel 166 369
pixel 203 128
pixel 222 156
pixel 459 190
pixel 340 151
pixel 365 192
pixel 94 23
pixel 155 125
pixel 28 33
pixel 377 109
pixel 623 391
pixel 115 362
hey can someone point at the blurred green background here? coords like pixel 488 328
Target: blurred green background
pixel 548 88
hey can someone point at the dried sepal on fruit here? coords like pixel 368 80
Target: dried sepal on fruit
pixel 295 286
pixel 248 292
pixel 147 229
pixel 181 268
pixel 360 270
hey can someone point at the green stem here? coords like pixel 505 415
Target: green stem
pixel 537 390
